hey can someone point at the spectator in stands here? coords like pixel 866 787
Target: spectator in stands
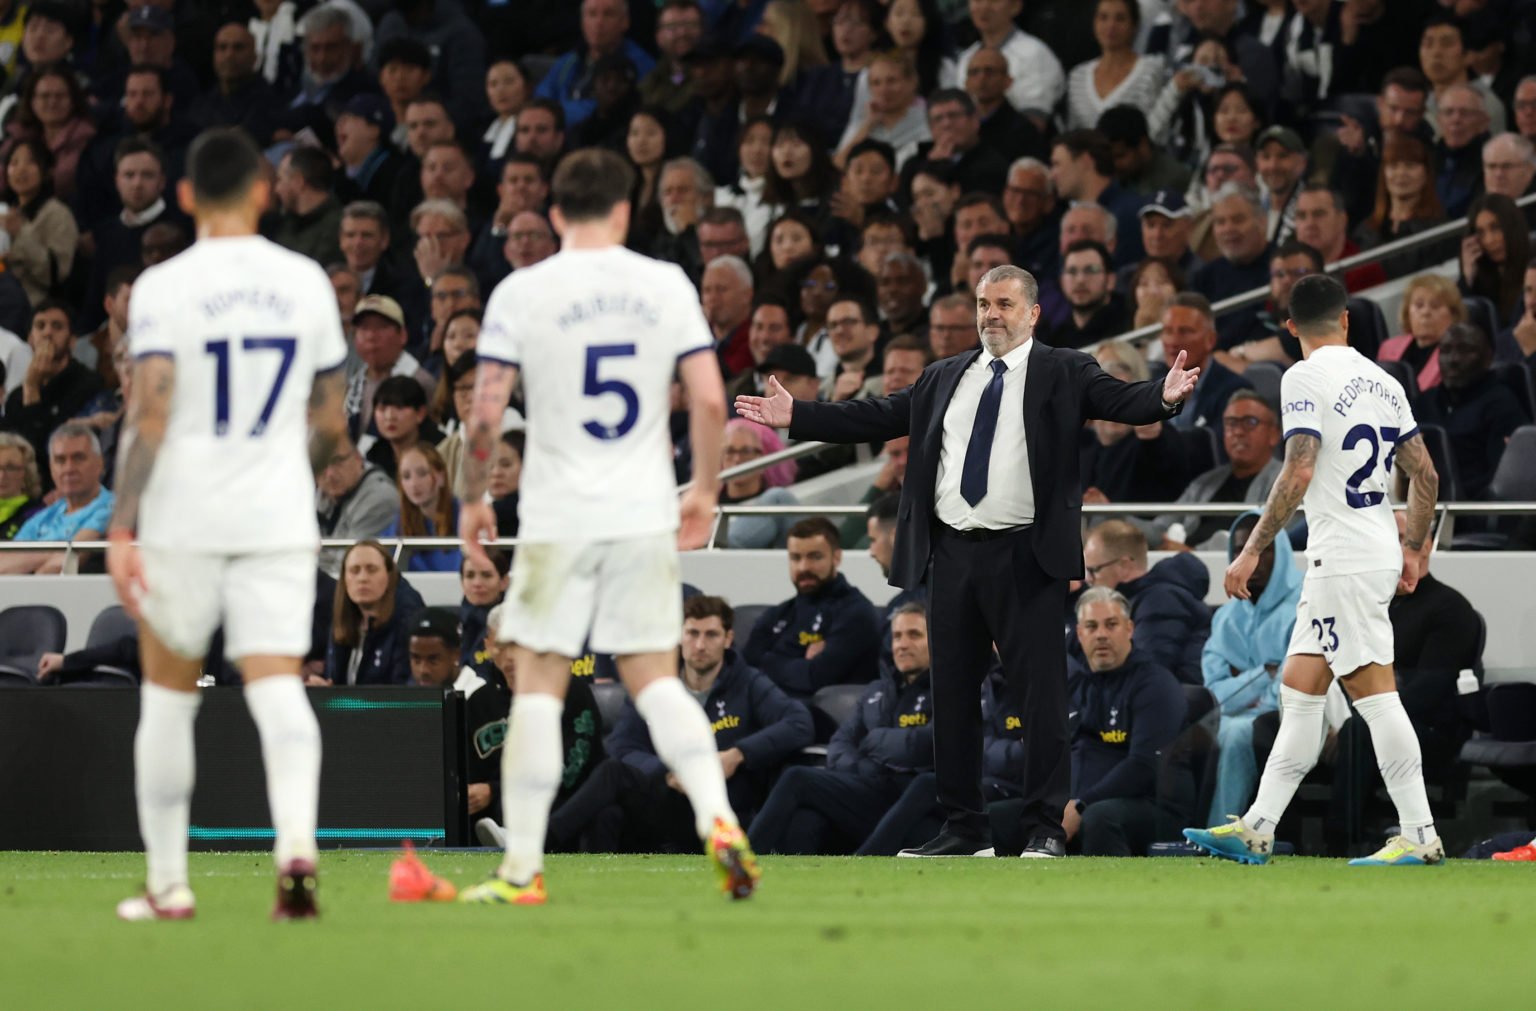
pixel 348 289
pixel 310 222
pixel 603 27
pixel 888 480
pixel 54 109
pixel 522 189
pixel 1083 169
pixel 1119 76
pixel 505 477
pixel 753 155
pixel 1188 326
pixel 827 93
pixel 854 328
pixel 374 611
pixel 645 143
pixel 679 26
pixel 1034 216
pixel 42 230
pixel 952 325
pixel 452 403
pixel 1151 467
pixel 427 509
pixel 1322 224
pixel 400 421
pixel 1038 80
pixel 746 441
pixel 790 241
pixel 871 759
pixel 1406 203
pixel 1167 600
pixel 686 193
pixel 442 238
pixel 884 233
pixel 541 133
pixel 1152 286
pixel 758 64
pixel 903 361
pixel 364 241
pixel 1140 166
pixel 483 584
pixel 333 71
pixel 1509 166
pixel 1130 709
pixel 1088 282
pixel 1282 167
pixel 448 173
pixel 631 801
pixel 900 286
pixel 426 123
pixel 976 214
pixel 819 286
pixel 530 240
pixel 1443 58
pixel 1525 107
pixel 459 46
pixel 1430 305
pixel 1400 104
pixel 1237 116
pixel 273 23
pixel 956 127
pixel 826 633
pixel 880 532
pixel 55 387
pixel 454 290
pixel 1494 255
pixel 506 91
pixel 148 39
pixel 768 330
pixel 353 500
pixel 1237 220
pixel 1227 163
pixel 380 335
pixel 21 490
pixel 1242 660
pixel 868 185
pixel 1216 22
pixel 896 114
pixel 80 511
pixel 1518 343
pixel 725 296
pixel 1250 435
pixel 433 648
pixel 1004 129
pixel 1477 410
pixel 140 181
pixel 1462 120
pixel 240 96
pixel 1291 261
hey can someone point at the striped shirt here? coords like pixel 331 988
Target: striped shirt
pixel 1140 89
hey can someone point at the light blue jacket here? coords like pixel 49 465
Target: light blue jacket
pixel 1248 634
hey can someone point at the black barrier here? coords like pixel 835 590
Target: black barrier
pixel 392 770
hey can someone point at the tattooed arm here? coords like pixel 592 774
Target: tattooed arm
pixel 477 520
pixel 327 417
pixel 1287 493
pixel 149 409
pixel 1423 487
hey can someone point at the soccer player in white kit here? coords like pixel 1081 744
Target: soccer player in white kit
pixel 1347 426
pixel 596 333
pixel 237 400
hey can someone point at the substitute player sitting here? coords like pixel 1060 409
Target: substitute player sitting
pixel 238 351
pixel 1345 422
pixel 598 332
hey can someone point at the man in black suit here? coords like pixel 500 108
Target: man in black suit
pixel 990 519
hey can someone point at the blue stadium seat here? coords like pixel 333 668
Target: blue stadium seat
pixel 831 705
pixel 26 633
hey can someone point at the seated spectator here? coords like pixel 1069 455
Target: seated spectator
pixel 829 92
pixel 21 490
pixel 522 189
pixel 434 647
pixel 569 82
pixel 454 290
pixel 1167 601
pixel 1189 326
pixel 505 476
pixel 893 471
pixel 1237 221
pixel 380 334
pixel 686 190
pixel 146 117
pixel 1227 163
pixel 452 402
pixel 427 509
pixel 767 330
pixel 1494 255
pixel 868 186
pixel 353 500
pixel 827 633
pixel 458 46
pixel 853 326
pixel 369 162
pixel 1462 121
pixel 1509 167
pixel 400 419
pixel 42 230
pixel 1152 285
pixel 55 387
pixel 54 109
pixel 1431 304
pixel 679 26
pixel 541 133
pixel 1518 343
pixel 442 241
pixel 871 760
pixel 880 528
pixel 373 613
pixel 984 253
pixel 1250 433
pixel 405 67
pixel 746 193
pixel 1038 80
pixel 1242 660
pixel 745 441
pixel 900 285
pixel 645 142
pixel 488 691
pixel 1128 463
pixel 240 96
pixel 484 584
pixel 448 173
pixel 1083 170
pixel 279 60
pixel 1034 216
pixel 119 239
pixel 1166 225
pixel 1129 711
pixel 725 296
pixel 530 240
pixel 1322 224
pixel 1477 411
pixel 632 801
pixel 1291 261
pixel 310 221
pixel 1140 166
pixel 952 326
pixel 956 127
pixel 896 114
pixel 1406 204
pixel 81 510
pixel 364 241
pixel 1098 310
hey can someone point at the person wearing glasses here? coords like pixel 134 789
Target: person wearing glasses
pixel 1250 432
pixel 1088 282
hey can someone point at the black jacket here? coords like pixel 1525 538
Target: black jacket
pixel 63 397
pixel 488 700
pixel 1062 390
pixel 1125 719
pixel 839 615
pixel 1477 420
pixel 386 654
pixel 1172 619
pixel 890 733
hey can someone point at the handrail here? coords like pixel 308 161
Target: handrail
pixel 794 452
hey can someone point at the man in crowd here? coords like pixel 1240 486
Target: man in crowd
pixel 1088 282
pixel 354 500
pixel 380 333
pixel 1188 326
pixel 900 286
pixel 81 510
pixel 854 328
pixel 725 296
pixel 1003 128
pixel 767 331
pixel 1322 223
pixel 1463 125
pixel 530 240
pixel 603 27
pixel 1083 170
pixel 240 96
pixel 55 388
pixel 1509 166
pixel 1167 600
pixel 1140 166
pixel 1250 432
pixel 1282 165
pixel 369 162
pixel 679 25
pixel 310 222
pixel 952 325
pixel 1034 216
pixel 1237 220
pixel 140 183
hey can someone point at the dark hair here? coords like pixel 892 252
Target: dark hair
pixel 52 304
pixel 79 104
pixel 1501 284
pixel 817 526
pixel 223 164
pixel 1317 301
pixel 890 219
pixel 1090 246
pixel 134 144
pixel 126 273
pixel 1295 247
pixel 1131 7
pixel 38 149
pixel 702 605
pixel 1242 91
pixel 884 509
pixel 443 626
pixel 160 74
pixel 1172 269
pixel 1443 20
pixel 347 617
pixel 1196 301
pixel 517 441
pixel 404 49
pixel 1091 143
pixel 908 342
pixel 499 559
pixel 550 106
pixel 400 391
pixel 1408 78
pixel 442 397
pixel 942 171
pixel 314 167
pixel 590 182
pixel 953 95
pixel 975 198
pixel 820 179
pixel 995 240
pixel 723 216
pixel 522 158
pixel 1124 124
pixel 870 145
pixel 1399 146
pixel 867 311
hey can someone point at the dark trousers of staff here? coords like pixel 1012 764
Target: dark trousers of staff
pixel 986 587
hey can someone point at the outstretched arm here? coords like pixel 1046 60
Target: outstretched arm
pixel 1287 493
pixel 874 419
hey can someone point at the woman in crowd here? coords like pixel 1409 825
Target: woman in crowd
pixel 1119 76
pixel 55 110
pixel 1431 304
pixel 506 90
pixel 1494 255
pixel 817 284
pixel 746 441
pixel 428 508
pixel 795 28
pixel 42 230
pixel 1517 343
pixel 1406 204
pixel 21 491
pixel 1184 114
pixel 506 474
pixel 484 585
pixel 1153 285
pixel 800 175
pixel 1235 116
pixel 917 32
pixel 451 403
pixel 827 95
pixel 461 331
pixel 647 148
pixel 792 239
pixel 370 621
pixel 746 193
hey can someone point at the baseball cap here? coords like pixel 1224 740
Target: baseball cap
pixel 762 47
pixel 791 358
pixel 379 305
pixel 1168 203
pixel 151 19
pixel 436 623
pixel 373 109
pixel 1284 136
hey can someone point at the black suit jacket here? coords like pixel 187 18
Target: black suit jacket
pixel 1062 390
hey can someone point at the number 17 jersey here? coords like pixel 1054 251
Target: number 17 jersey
pixel 1359 414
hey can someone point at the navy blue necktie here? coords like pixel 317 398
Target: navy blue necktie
pixel 973 474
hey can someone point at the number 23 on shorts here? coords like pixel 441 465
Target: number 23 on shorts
pixel 1327 636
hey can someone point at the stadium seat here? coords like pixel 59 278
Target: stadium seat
pixel 1509 750
pixel 832 705
pixel 1481 313
pixel 1367 327
pixel 1195 747
pixel 1439 446
pixel 1517 377
pixel 111 625
pixel 1265 377
pixel 26 633
pixel 746 616
pixel 610 698
pixel 1515 478
pixel 1403 373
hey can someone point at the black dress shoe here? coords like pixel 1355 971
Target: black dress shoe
pixel 1043 847
pixel 948 844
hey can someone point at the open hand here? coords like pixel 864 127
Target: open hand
pixel 1180 382
pixel 774 410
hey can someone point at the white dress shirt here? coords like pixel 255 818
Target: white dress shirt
pixel 1010 498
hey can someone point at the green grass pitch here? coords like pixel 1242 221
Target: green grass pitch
pixel 905 935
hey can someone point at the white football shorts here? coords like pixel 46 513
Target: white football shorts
pixel 621 596
pixel 266 601
pixel 1344 619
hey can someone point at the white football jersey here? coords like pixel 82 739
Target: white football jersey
pixel 597 335
pixel 248 324
pixel 1359 414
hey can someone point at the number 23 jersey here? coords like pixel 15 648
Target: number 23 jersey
pixel 597 335
pixel 248 325
pixel 1359 414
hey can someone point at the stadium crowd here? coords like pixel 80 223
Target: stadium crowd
pixel 834 175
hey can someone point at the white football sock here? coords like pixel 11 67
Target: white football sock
pixel 164 767
pixel 1401 762
pixel 683 739
pixel 290 750
pixel 531 760
pixel 1297 746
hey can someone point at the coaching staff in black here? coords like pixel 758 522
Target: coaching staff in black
pixel 990 519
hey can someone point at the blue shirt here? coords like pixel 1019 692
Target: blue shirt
pixel 54 524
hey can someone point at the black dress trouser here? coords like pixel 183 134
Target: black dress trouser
pixel 986 590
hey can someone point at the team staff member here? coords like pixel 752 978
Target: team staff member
pixel 991 514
